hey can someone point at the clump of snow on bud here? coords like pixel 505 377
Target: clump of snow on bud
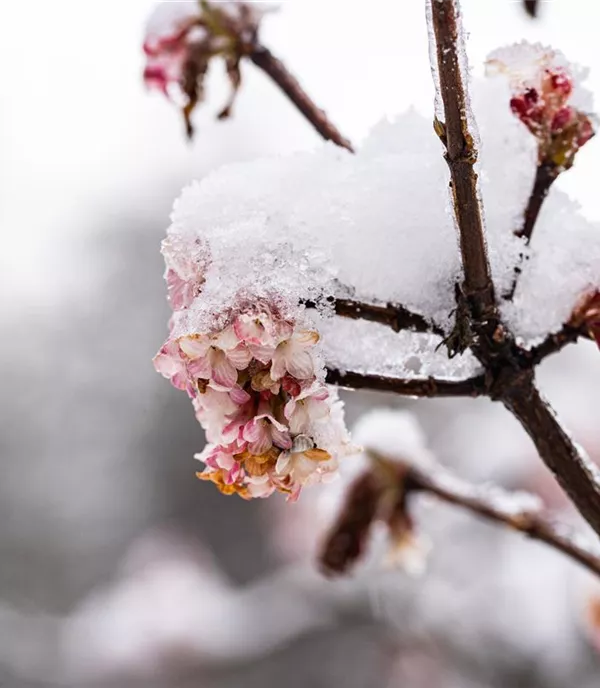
pixel 395 435
pixel 542 83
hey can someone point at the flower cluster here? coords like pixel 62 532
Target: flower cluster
pixel 183 37
pixel 256 389
pixel 542 88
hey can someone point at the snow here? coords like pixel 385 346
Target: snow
pixel 378 227
pixel 395 435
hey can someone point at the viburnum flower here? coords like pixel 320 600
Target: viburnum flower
pixel 183 37
pixel 542 86
pixel 587 314
pixel 258 391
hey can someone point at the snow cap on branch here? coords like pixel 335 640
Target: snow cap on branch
pixel 312 226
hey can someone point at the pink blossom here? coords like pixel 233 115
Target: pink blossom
pixel 208 361
pixel 303 463
pixel 184 37
pixel 264 431
pixel 258 392
pixel 308 406
pixel 293 356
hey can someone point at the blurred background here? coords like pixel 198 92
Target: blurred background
pixel 118 567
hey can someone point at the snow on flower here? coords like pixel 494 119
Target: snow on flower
pixel 183 37
pixel 542 84
pixel 258 391
pixel 185 264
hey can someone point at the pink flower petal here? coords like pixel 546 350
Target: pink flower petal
pixel 240 357
pixel 262 352
pixel 253 430
pixel 224 374
pixel 194 346
pixel 239 396
pixel 300 364
pixel 281 438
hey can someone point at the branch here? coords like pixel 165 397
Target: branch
pixel 495 506
pixel 265 60
pixel 531 7
pixel 416 387
pixel 461 155
pixel 576 474
pixel 556 342
pixel 395 316
pixel 546 174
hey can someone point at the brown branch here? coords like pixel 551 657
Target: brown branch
pixel 546 174
pixel 578 477
pixel 265 60
pixel 556 342
pixel 461 155
pixel 416 387
pixel 531 7
pixel 477 500
pixel 397 317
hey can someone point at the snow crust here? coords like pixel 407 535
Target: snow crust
pixel 378 227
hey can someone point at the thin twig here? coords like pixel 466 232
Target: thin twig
pixel 461 155
pixel 554 343
pixel 395 316
pixel 546 174
pixel 265 60
pixel 477 500
pixel 413 387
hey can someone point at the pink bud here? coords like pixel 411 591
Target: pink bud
pixel 562 118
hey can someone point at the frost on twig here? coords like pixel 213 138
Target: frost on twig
pixel 401 468
pixel 183 38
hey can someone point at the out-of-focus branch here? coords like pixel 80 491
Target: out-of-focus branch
pixel 497 507
pixel 531 7
pixel 461 156
pixel 417 387
pixel 274 68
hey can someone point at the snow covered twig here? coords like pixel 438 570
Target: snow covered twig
pixel 413 387
pixel 498 506
pixel 461 155
pixel 393 315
